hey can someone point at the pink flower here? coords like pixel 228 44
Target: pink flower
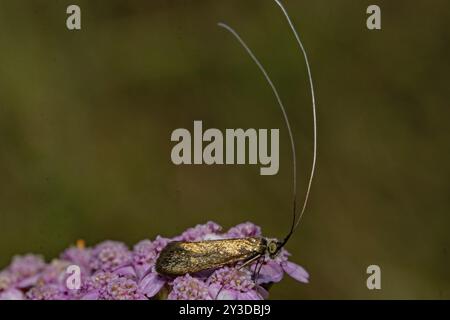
pixel 12 294
pixel 207 231
pixel 78 256
pixel 272 270
pixel 48 292
pixel 145 254
pixel 244 230
pixel 26 269
pixel 7 280
pixel 110 271
pixel 121 288
pixel 109 255
pixel 189 288
pixel 233 284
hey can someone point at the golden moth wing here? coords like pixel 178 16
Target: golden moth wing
pixel 179 258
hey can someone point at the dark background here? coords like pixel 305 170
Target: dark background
pixel 86 118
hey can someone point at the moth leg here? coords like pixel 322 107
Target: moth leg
pixel 255 269
pixel 256 275
pixel 249 261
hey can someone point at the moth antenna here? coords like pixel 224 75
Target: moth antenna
pixel 313 166
pixel 286 119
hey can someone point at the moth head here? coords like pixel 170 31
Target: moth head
pixel 273 247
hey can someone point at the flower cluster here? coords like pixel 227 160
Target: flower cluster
pixel 112 271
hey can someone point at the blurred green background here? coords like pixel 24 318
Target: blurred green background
pixel 86 118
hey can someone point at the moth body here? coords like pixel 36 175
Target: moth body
pixel 179 258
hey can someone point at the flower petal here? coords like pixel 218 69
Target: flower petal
pixel 262 292
pixel 141 269
pixel 12 294
pixel 249 295
pixel 151 284
pixel 28 282
pixel 227 294
pixel 217 292
pixel 126 271
pixel 270 272
pixel 91 295
pixel 295 271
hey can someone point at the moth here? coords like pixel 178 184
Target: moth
pixel 179 257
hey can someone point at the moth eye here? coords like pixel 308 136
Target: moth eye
pixel 272 247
